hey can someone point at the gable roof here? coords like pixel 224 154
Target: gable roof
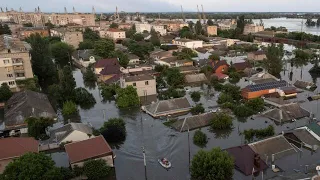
pixel 84 54
pixel 88 149
pixel 241 66
pixel 168 106
pixel 25 104
pixel 195 78
pixel 114 30
pixel 110 66
pixel 267 85
pixel 244 158
pixel 216 65
pixel 59 134
pixel 15 147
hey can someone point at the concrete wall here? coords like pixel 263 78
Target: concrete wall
pixel 144 88
pixel 76 136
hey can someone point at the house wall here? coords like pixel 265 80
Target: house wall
pixel 104 77
pixel 137 69
pixel 222 69
pixel 108 159
pixel 212 30
pixel 73 38
pixel 256 94
pixel 27 33
pixel 3 164
pixel 76 136
pixel 98 70
pixel 258 57
pixel 134 61
pixel 142 27
pixel 116 35
pixel 252 29
pixel 143 89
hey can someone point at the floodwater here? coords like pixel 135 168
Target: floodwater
pixel 161 141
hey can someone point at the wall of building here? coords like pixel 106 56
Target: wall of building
pixel 255 94
pixel 73 38
pixel 212 30
pixel 26 34
pixel 104 77
pixel 76 136
pixel 116 35
pixel 144 88
pixel 108 159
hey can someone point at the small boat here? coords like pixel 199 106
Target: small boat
pixel 164 163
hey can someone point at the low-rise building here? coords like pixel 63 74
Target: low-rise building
pixel 72 38
pixel 251 28
pixel 26 104
pixel 174 62
pixel 195 79
pixel 257 56
pixel 212 30
pixel 15 61
pixel 134 69
pixel 14 147
pixel 192 44
pixel 258 90
pixel 145 84
pixel 241 66
pixel 115 34
pixel 219 66
pixel 84 57
pixel 93 148
pixel 108 70
pixel 133 59
pixel 26 32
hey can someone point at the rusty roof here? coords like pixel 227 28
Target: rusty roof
pixel 15 147
pixel 87 149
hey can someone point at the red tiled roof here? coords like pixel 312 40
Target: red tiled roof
pixel 87 149
pixel 114 30
pixel 15 147
pixel 216 65
pixel 106 62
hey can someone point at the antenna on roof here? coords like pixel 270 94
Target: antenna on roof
pixel 183 18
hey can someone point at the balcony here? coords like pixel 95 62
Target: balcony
pixel 18 69
pixel 17 61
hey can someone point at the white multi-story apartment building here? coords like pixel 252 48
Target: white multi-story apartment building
pixel 15 61
pixel 193 44
pixel 140 28
pixel 114 34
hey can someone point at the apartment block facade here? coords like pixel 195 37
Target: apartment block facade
pixel 114 34
pixel 70 37
pixel 15 61
pixel 145 84
pixel 251 28
pixel 147 27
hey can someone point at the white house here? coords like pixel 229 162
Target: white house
pixel 193 44
pixel 72 132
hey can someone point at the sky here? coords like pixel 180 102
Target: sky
pixel 165 5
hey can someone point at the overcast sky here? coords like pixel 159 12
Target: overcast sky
pixel 166 5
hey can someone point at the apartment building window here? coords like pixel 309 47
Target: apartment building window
pixel 11 83
pixel 6 61
pixel 9 75
pixel 146 82
pixel 134 84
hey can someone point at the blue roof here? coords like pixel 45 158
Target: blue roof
pixel 267 85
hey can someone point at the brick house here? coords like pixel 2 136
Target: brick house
pixel 219 66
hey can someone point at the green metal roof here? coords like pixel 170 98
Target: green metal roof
pixel 315 128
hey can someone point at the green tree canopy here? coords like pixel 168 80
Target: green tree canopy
pixel 5 92
pixel 114 25
pixel 138 37
pixel 214 57
pixel 89 75
pixel 212 165
pixel 154 38
pixel 274 63
pixel 114 130
pixel 127 97
pixel 96 169
pixel 33 166
pixel 196 95
pixel 174 77
pixel 61 53
pixel 86 44
pixel 37 126
pixel 210 22
pixel 27 24
pixel 84 98
pixel 108 91
pixel 198 28
pixel 4 29
pixel 198 109
pixel 88 34
pixel 69 108
pixel 67 83
pixel 221 121
pixel 130 32
pixel 200 138
pixel 123 57
pixel 49 25
pixel 104 47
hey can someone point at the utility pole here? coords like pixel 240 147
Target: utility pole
pixel 189 146
pixel 183 18
pixel 144 162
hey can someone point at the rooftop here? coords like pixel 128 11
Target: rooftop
pixel 33 28
pixel 315 127
pixel 87 149
pixel 16 146
pixel 60 133
pixel 218 64
pixel 195 78
pixel 186 40
pixel 305 85
pixel 265 86
pixel 8 42
pixel 259 52
pixel 110 66
pixel 241 65
pixel 115 30
pixel 193 122
pixel 143 77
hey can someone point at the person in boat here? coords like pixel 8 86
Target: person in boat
pixel 164 161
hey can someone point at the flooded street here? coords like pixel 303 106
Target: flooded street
pixel 161 141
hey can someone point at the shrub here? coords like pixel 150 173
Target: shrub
pixel 259 133
pixel 257 104
pixel 200 139
pixel 243 111
pixel 223 98
pixel 37 127
pixel 69 108
pixel 221 121
pixel 195 95
pixel 108 91
pixel 218 86
pixel 96 169
pixel 114 130
pixel 84 98
pixel 198 109
pixel 127 97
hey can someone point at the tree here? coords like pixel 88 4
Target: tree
pixel 96 169
pixel 274 63
pixel 114 25
pixel 61 53
pixel 42 64
pixel 37 126
pixel 86 44
pixel 154 38
pixel 114 130
pixel 210 22
pixel 309 22
pixel 138 37
pixel 140 49
pixel 59 174
pixel 221 121
pixel 49 25
pixel 89 75
pixel 200 139
pixel 172 93
pixel 198 28
pixel 215 57
pixel 198 109
pixel 256 104
pixel 69 108
pixel 243 111
pixel 130 32
pixel 4 29
pixel 318 22
pixel 103 47
pixel 240 25
pixel 261 22
pixel 5 92
pixel 190 52
pixel 88 34
pixel 195 95
pixel 212 165
pixel 67 83
pixel 234 77
pixel 108 91
pixel 27 24
pixel 127 97
pixel 174 77
pixel 123 57
pixel 249 134
pixel 32 166
pixel 84 98
pixel 223 98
